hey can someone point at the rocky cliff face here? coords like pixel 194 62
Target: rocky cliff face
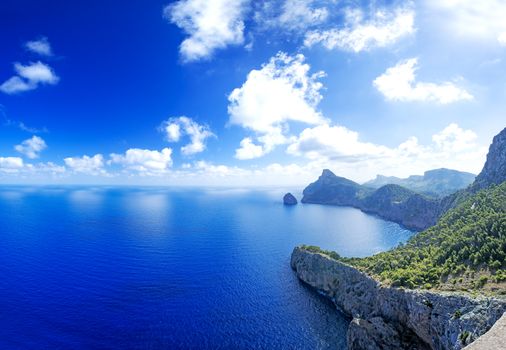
pixel 494 171
pixel 391 318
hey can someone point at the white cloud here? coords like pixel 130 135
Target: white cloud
pixel 40 46
pixel 483 20
pixel 144 161
pixel 334 142
pixel 211 25
pixel 11 164
pixel 31 148
pixel 282 90
pixel 29 77
pixel 384 28
pixel 502 39
pixel 341 149
pixel 248 150
pixel 455 139
pixel 291 15
pixel 86 164
pixel 175 128
pixel 399 83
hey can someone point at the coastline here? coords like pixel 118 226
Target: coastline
pixel 386 317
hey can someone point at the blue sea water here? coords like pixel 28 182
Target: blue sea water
pixel 158 268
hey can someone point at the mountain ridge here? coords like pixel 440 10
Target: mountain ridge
pixel 435 183
pixel 399 204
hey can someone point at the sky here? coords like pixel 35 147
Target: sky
pixel 247 92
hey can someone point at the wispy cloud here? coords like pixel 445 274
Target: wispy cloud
pixel 383 28
pixel 290 15
pixel 178 127
pixel 39 46
pixel 29 77
pixel 32 147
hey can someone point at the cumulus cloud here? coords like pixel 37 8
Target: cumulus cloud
pixel 291 15
pixel 40 46
pixel 175 128
pixel 339 148
pixel 383 28
pixel 399 83
pixel 29 77
pixel 144 161
pixel 334 143
pixel 483 20
pixel 210 25
pixel 31 148
pixel 248 150
pixel 281 91
pixel 87 165
pixel 11 164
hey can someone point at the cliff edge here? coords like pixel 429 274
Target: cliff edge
pixel 389 318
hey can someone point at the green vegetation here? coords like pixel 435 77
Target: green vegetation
pixel 466 249
pixel 463 337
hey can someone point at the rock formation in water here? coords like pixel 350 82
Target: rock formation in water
pixel 395 318
pixel 289 199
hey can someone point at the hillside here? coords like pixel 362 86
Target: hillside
pixel 399 204
pixel 391 202
pixel 434 183
pixel 466 249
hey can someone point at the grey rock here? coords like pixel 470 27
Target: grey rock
pixel 289 199
pixel 494 171
pixel 428 318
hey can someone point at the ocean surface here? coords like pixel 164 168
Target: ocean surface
pixel 158 268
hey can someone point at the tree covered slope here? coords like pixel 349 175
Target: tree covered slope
pixel 466 249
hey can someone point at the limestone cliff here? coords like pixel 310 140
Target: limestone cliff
pixel 390 318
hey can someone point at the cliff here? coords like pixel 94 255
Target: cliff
pixel 494 171
pixel 393 318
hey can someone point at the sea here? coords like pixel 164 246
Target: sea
pixel 97 267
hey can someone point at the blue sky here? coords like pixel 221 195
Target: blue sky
pixel 240 92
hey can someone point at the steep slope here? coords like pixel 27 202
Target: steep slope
pixel 332 189
pixel 391 202
pixel 435 183
pixel 494 171
pixel 466 249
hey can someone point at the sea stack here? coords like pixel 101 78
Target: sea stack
pixel 289 199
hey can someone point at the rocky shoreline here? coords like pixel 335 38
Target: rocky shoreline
pixel 390 318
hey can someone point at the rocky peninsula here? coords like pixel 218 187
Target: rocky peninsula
pixel 396 318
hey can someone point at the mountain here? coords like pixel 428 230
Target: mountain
pixel 391 202
pixel 494 171
pixel 435 183
pixel 402 205
pixel 336 190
